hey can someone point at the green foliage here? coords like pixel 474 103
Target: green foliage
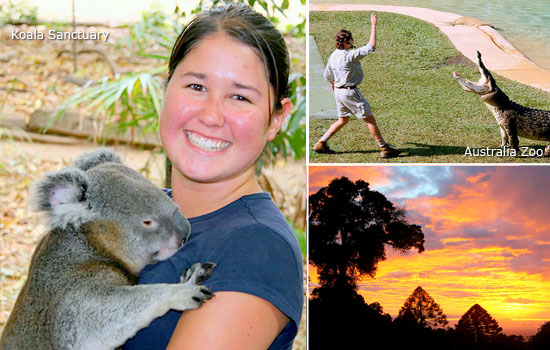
pixel 134 99
pixel 301 237
pixel 131 101
pixel 417 104
pixel 12 12
pixel 158 28
pixel 292 137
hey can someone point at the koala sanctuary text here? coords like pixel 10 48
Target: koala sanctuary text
pixel 17 34
pixel 107 222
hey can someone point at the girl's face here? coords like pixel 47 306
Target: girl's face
pixel 215 120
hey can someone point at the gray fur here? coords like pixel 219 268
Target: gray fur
pixel 513 119
pixel 93 158
pixel 107 222
pixel 60 195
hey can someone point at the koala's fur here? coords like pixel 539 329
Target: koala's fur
pixel 107 222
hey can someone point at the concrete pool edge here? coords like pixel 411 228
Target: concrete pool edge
pixel 498 54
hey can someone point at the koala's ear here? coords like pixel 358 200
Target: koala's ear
pixel 63 196
pixel 91 159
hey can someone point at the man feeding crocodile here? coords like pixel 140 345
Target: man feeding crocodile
pixel 344 73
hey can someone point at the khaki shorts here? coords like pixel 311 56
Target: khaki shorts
pixel 351 102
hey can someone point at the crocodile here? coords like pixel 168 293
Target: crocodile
pixel 513 119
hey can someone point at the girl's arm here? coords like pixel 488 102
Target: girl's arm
pixel 230 320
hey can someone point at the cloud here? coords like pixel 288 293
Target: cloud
pixel 519 301
pixel 320 176
pixel 455 240
pixel 487 231
pixel 399 274
pixel 459 278
pixel 414 181
pixel 493 206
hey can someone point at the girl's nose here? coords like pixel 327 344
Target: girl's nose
pixel 211 113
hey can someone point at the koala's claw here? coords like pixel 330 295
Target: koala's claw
pixel 206 272
pixel 208 292
pixel 205 294
pixel 197 273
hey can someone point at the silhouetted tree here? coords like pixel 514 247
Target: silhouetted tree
pixel 422 309
pixel 541 340
pixel 506 342
pixel 349 227
pixel 478 324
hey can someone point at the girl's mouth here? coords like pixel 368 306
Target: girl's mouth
pixel 207 144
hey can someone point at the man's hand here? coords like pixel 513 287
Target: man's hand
pixel 373 19
pixel 332 85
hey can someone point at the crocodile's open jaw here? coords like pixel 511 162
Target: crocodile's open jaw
pixel 485 84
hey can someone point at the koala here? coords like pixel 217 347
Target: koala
pixel 106 223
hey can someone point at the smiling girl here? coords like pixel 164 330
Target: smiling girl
pixel 226 96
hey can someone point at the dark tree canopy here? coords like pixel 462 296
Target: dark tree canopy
pixel 541 340
pixel 478 324
pixel 422 309
pixel 349 228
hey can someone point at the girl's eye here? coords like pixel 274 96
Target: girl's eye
pixel 197 87
pixel 240 98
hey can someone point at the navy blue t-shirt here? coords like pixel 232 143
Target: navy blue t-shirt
pixel 256 252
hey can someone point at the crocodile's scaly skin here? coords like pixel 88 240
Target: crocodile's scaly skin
pixel 517 120
pixel 513 119
pixel 532 123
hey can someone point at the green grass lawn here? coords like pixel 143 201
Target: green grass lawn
pixel 417 103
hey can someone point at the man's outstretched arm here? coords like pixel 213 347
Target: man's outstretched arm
pixel 373 21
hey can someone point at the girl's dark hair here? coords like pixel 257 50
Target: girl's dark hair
pixel 343 36
pixel 242 23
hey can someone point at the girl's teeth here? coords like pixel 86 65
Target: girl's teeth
pixel 206 144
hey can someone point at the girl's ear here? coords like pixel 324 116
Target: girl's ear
pixel 278 118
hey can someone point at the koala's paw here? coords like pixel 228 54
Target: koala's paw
pixel 190 296
pixel 197 273
pixel 203 293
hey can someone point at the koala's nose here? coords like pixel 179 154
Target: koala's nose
pixel 182 226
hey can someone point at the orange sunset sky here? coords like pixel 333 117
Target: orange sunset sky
pixel 487 232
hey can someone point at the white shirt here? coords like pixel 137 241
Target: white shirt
pixel 343 66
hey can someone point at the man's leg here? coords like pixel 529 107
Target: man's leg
pixel 334 128
pixel 374 130
pixel 386 151
pixel 321 145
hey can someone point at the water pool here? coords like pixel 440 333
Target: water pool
pixel 525 24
